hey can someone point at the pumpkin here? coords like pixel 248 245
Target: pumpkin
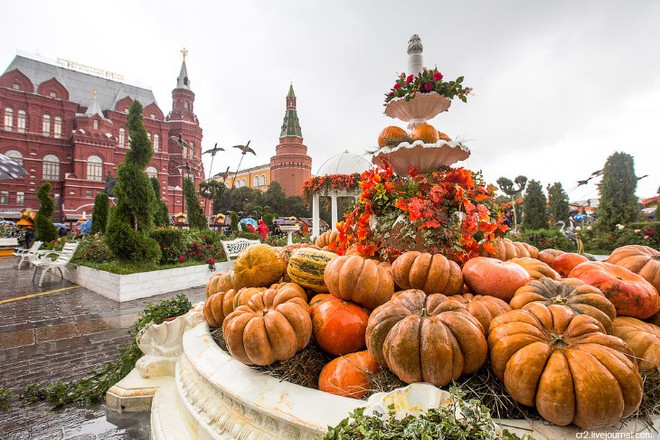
pixel 273 326
pixel 642 260
pixel 425 133
pixel 426 338
pixel 348 375
pixel 643 338
pixel 306 267
pixel 443 136
pixel 482 307
pixel 326 238
pixel 565 263
pixel 392 135
pixel 533 251
pixel 220 282
pixel 549 255
pixel 490 276
pixel 338 326
pixel 536 269
pixel 242 296
pixel 655 319
pixel 571 292
pixel 631 294
pixel 218 306
pixel 211 284
pixel 427 272
pixel 286 251
pixel 505 249
pixel 564 364
pixel 257 266
pixel 360 280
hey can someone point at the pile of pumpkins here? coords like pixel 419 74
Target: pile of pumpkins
pixel 392 135
pixel 564 334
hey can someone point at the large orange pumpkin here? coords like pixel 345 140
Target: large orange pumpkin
pixel 432 273
pixel 392 135
pixel 643 338
pixel 425 133
pixel 273 326
pixel 631 294
pixel 338 326
pixel 360 280
pixel 565 365
pixel 482 307
pixel 642 260
pixel 490 276
pixel 571 292
pixel 536 269
pixel 549 255
pixel 257 266
pixel 426 338
pixel 565 263
pixel 348 375
pixel 218 306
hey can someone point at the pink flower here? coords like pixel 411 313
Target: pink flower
pixel 437 76
pixel 397 86
pixel 428 86
pixel 409 79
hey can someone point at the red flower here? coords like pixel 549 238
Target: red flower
pixel 409 79
pixel 428 86
pixel 437 76
pixel 182 258
pixel 397 86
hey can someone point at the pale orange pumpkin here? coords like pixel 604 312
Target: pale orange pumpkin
pixel 432 273
pixel 218 306
pixel 642 260
pixel 326 238
pixel 425 133
pixel 392 135
pixel 643 338
pixel 483 307
pixel 257 266
pixel 505 249
pixel 360 280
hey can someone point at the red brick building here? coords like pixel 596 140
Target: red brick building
pixel 65 124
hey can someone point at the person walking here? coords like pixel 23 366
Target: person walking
pixel 263 229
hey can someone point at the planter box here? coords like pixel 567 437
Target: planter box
pixel 122 288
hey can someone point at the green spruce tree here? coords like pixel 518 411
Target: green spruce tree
pixel 161 216
pixel 196 218
pixel 534 207
pixel 100 213
pixel 132 218
pixel 558 203
pixel 618 203
pixel 44 229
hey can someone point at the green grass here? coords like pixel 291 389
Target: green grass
pixel 123 268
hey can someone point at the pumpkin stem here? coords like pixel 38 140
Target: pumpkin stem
pixel 557 340
pixel 424 313
pixel 264 312
pixel 558 299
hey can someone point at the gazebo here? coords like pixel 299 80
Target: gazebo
pixel 335 170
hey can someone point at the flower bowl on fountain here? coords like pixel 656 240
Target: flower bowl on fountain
pixel 421 156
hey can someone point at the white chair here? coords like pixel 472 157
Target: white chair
pixel 27 254
pixel 234 247
pixel 46 262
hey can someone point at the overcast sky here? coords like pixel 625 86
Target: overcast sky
pixel 558 86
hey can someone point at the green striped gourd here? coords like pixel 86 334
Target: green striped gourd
pixel 306 267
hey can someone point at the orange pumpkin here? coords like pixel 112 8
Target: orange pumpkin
pixel 220 282
pixel 425 133
pixel 490 276
pixel 549 255
pixel 642 260
pixel 348 375
pixel 643 338
pixel 273 326
pixel 243 295
pixel 443 136
pixel 565 365
pixel 359 280
pixel 257 266
pixel 426 338
pixel 505 249
pixel 565 263
pixel 631 294
pixel 536 269
pixel 571 292
pixel 338 326
pixel 326 238
pixel 218 306
pixel 392 135
pixel 432 273
pixel 482 307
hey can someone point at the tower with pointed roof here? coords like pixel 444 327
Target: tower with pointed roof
pixel 291 165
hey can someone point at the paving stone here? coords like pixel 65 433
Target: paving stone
pixel 17 338
pixel 57 332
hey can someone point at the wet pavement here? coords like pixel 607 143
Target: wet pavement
pixel 60 332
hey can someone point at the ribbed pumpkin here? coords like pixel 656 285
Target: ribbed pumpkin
pixel 326 238
pixel 549 255
pixel 257 266
pixel 643 338
pixel 243 295
pixel 642 260
pixel 536 269
pixel 360 280
pixel 432 273
pixel 338 326
pixel 506 249
pixel 482 307
pixel 273 326
pixel 307 266
pixel 218 306
pixel 348 375
pixel 533 251
pixel 565 365
pixel 392 135
pixel 570 292
pixel 631 294
pixel 425 133
pixel 220 282
pixel 426 338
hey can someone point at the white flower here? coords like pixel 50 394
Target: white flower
pixel 637 231
pixel 620 226
pixel 589 228
pixel 578 228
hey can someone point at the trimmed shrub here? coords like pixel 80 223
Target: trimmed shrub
pixel 44 229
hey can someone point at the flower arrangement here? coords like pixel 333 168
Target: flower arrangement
pixel 429 80
pixel 447 211
pixel 324 184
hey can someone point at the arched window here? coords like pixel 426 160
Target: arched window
pixel 122 137
pixel 45 125
pixel 94 169
pixel 58 127
pixel 263 180
pixel 9 119
pixel 152 172
pixel 156 143
pixel 21 121
pixel 51 168
pixel 256 181
pixel 16 156
pixel 95 125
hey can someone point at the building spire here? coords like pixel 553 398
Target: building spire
pixel 182 81
pixel 94 108
pixel 291 126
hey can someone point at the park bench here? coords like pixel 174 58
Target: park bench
pixel 51 260
pixel 28 254
pixel 234 247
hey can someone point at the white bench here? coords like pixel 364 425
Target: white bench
pixel 234 247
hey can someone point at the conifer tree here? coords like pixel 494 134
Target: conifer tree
pixel 44 229
pixel 196 218
pixel 618 203
pixel 100 213
pixel 534 207
pixel 161 216
pixel 558 203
